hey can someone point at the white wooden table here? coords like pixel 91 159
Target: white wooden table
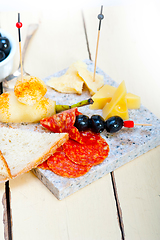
pixel 126 203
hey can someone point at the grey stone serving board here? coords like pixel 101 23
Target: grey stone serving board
pixel 125 145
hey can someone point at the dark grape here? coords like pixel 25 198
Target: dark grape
pixel 82 122
pixel 114 124
pixel 97 124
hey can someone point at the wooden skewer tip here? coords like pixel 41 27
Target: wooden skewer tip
pixel 142 124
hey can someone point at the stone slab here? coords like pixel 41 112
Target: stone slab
pixel 125 145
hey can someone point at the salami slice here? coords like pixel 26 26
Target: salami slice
pixel 63 122
pixel 86 154
pixel 61 165
pixel 44 166
pixel 88 137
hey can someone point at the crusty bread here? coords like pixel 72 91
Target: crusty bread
pixel 22 150
pixel 29 90
pixel 4 169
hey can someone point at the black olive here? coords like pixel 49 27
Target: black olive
pixel 114 124
pixel 97 123
pixel 89 123
pixel 82 122
pixel 2 56
pixel 5 45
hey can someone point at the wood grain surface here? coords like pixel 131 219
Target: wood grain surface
pixel 124 205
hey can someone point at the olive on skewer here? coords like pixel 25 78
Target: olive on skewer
pixel 97 124
pixel 82 122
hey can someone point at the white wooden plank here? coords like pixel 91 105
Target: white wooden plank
pixel 138 190
pixel 37 214
pixel 120 56
pixel 57 43
pixel 125 53
pixel 88 214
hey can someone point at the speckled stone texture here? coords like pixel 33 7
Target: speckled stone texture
pixel 125 145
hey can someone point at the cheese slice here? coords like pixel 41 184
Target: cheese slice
pixel 70 82
pixel 78 64
pixel 105 94
pixel 11 110
pixel 87 77
pixel 118 105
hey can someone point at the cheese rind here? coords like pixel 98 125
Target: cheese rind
pixel 118 105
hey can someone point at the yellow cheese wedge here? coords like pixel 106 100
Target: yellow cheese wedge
pixel 133 101
pixel 105 94
pixel 118 105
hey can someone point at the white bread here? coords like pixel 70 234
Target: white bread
pixel 4 170
pixel 29 90
pixel 22 150
pixel 11 110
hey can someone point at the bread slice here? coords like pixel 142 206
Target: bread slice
pixel 4 169
pixel 22 150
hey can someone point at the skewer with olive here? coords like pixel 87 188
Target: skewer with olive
pixel 97 124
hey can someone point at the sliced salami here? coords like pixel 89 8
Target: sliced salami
pixel 88 137
pixel 61 165
pixel 86 154
pixel 44 166
pixel 63 122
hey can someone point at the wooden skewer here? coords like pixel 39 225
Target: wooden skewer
pixel 100 17
pixel 19 25
pixel 143 124
pixel 131 124
pixel 95 63
pixel 20 51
